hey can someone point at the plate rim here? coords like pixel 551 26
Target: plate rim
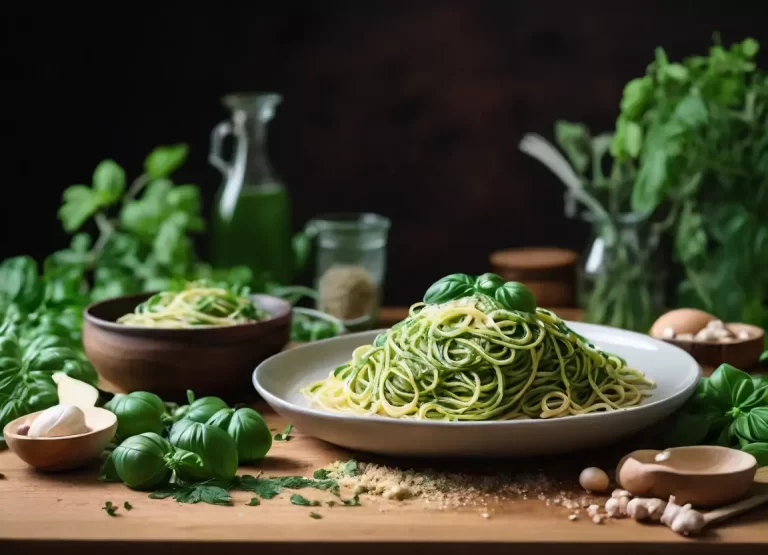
pixel 273 400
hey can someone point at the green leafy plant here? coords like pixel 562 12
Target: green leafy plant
pixel 285 435
pixel 695 133
pixel 730 408
pixel 510 295
pixel 26 373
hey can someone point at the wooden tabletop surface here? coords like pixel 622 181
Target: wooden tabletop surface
pixel 40 512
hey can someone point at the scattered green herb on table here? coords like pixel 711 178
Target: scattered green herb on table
pixel 315 515
pixel 127 506
pixel 353 502
pixel 350 468
pixel 298 499
pixel 212 492
pixel 286 435
pixel 253 502
pixel 730 408
pixel 110 508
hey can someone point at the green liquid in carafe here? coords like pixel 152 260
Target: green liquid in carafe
pixel 257 234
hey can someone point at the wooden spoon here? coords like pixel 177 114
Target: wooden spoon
pixel 705 475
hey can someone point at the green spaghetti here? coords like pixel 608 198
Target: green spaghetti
pixel 197 304
pixel 478 349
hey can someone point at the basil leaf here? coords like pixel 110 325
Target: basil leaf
pixel 726 381
pixel 743 393
pixel 298 499
pixel 757 420
pixel 691 429
pixel 515 296
pixel 449 288
pixel 488 283
pixel 108 182
pixel 164 160
pixel 758 398
pixel 80 203
pixel 759 451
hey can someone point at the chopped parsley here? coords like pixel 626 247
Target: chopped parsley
pixel 286 435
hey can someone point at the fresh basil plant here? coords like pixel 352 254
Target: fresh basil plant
pixel 730 408
pixel 511 295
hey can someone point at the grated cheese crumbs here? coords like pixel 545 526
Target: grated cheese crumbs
pixel 447 490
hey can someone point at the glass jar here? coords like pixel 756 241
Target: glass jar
pixel 350 252
pixel 251 223
pixel 620 282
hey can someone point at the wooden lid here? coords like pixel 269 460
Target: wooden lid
pixel 534 258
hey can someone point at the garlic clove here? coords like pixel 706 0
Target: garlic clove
pixel 75 392
pixel 58 421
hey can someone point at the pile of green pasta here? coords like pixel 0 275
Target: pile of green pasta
pixel 478 349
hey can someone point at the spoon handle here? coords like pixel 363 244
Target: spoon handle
pixel 735 509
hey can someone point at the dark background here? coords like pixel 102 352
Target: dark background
pixel 409 109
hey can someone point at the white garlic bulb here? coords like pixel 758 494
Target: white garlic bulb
pixel 57 421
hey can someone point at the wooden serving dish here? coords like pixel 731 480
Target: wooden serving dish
pixel 168 362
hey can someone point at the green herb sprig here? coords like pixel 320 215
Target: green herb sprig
pixel 285 435
pixel 730 408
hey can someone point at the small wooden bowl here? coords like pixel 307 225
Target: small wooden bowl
pixel 64 452
pixel 168 362
pixel 702 475
pixel 741 353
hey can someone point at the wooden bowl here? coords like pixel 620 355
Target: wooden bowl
pixel 168 362
pixel 741 353
pixel 64 452
pixel 702 475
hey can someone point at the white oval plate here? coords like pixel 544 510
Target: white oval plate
pixel 279 379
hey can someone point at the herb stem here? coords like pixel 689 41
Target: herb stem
pixel 106 229
pixel 135 188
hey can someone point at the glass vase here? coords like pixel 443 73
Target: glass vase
pixel 620 280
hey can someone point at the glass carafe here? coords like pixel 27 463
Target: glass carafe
pixel 251 220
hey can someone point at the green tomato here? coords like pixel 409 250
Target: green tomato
pixel 137 413
pixel 140 461
pixel 214 446
pixel 201 410
pixel 488 283
pixel 515 296
pixel 249 430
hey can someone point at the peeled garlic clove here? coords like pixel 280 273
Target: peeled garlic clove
pixel 57 421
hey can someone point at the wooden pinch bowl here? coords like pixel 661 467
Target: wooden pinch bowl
pixel 741 353
pixel 63 452
pixel 208 360
pixel 705 475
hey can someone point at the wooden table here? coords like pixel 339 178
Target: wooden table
pixel 39 512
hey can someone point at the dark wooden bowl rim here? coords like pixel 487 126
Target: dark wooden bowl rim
pixel 94 314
